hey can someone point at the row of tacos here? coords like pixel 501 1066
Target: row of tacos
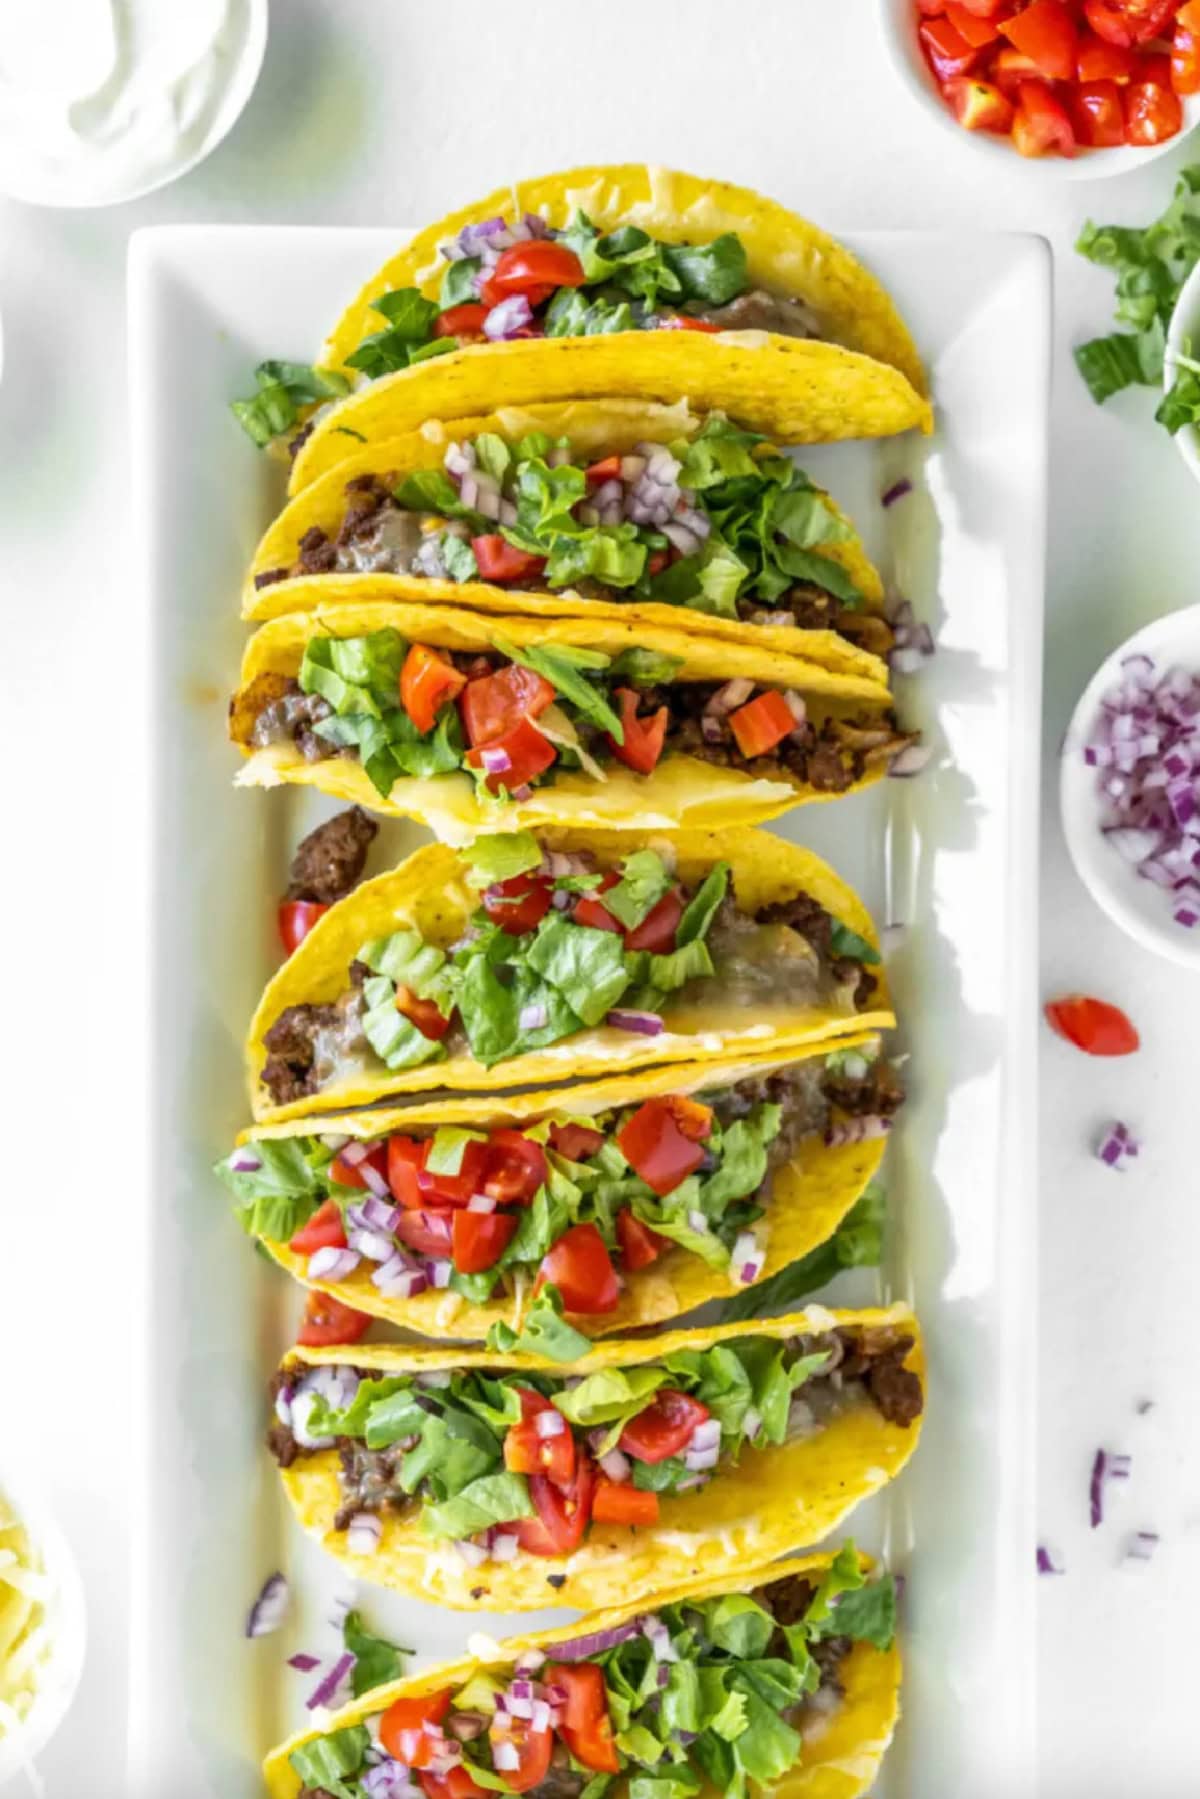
pixel 547 582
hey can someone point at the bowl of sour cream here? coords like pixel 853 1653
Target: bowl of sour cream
pixel 102 100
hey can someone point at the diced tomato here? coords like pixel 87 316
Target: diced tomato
pixel 1041 122
pixel 1097 60
pixel 461 321
pixel 644 737
pixel 540 264
pixel 324 1230
pixel 405 1156
pixel 620 1502
pixel 589 911
pixel 971 27
pixel 456 1783
pixel 1092 1025
pixel 328 1321
pixel 347 1173
pixel 664 1428
pixel 947 50
pixel 1185 60
pixel 526 1451
pixel 683 321
pixel 639 1244
pixel 575 1141
pixel 1099 120
pixel 533 1749
pixel 578 1264
pixel 978 105
pixel 423 1013
pixel 1108 22
pixel 657 561
pixel 1152 113
pixel 479 1239
pixel 519 904
pixel 607 469
pixel 529 754
pixel 405 1727
pixel 428 1231
pixel 493 704
pixel 983 9
pixel 1189 15
pixel 515 1168
pixel 562 1517
pixel 586 1728
pixel 1147 19
pixel 455 1189
pixel 1008 68
pixel 1153 65
pixel 499 560
pixel 1045 32
pixel 762 723
pixel 660 1142
pixel 657 930
pixel 427 681
pixel 296 920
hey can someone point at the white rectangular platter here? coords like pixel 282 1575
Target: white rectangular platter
pixel 950 857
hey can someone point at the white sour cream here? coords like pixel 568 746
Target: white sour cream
pixel 104 99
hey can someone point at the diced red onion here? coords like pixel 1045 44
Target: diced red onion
pixel 506 1758
pixel 283 1403
pixel 895 492
pixel 522 793
pixel 303 1663
pixel 334 1140
pixel 616 1466
pixel 752 1423
pixel 746 1258
pixel 466 1726
pixel 533 1016
pixel 397 1279
pixel 1117 1144
pixel 1140 1546
pixel 373 1246
pixel 1105 1467
pixel 244 1161
pixel 331 1264
pixel 520 1699
pixel 685 541
pixel 354 1151
pixel 474 1554
pixel 707 1434
pixel 549 1423
pixel 646 1024
pixel 375 1182
pixel 1046 1563
pixel 270 1608
pixel 364 1533
pixel 860 1129
pixel 481 1202
pixel 439 1271
pixel 459 459
pixel 507 318
pixel 374 1214
pixel 530 1661
pixel 504 1546
pixel 729 696
pixel 712 728
pixel 496 761
pixel 795 705
pixel 324 1691
pixel 659 1639
pixel 580 1649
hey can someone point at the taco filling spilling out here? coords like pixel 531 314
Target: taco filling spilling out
pixel 557 947
pixel 705 1693
pixel 513 718
pixel 722 523
pixel 579 1204
pixel 501 1462
pixel 527 279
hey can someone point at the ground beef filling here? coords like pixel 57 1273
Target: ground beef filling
pixel 757 310
pixel 865 1367
pixel 306 1042
pixel 329 862
pixel 808 1094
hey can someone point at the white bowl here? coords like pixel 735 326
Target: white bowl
pixel 46 134
pixel 1185 323
pixel 1142 909
pixel 899 31
pixel 66 1625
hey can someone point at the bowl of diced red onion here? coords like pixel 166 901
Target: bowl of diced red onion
pixel 1130 787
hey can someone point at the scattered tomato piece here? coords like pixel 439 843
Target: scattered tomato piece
pixel 1092 1025
pixel 620 1502
pixel 296 920
pixel 327 1321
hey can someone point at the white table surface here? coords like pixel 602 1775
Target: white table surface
pixel 368 113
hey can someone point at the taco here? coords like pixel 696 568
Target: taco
pixel 519 962
pixel 596 509
pixel 785 1676
pixel 621 282
pixel 636 1198
pixel 472 723
pixel 510 1482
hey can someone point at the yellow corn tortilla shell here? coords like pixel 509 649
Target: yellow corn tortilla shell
pixel 842 1752
pixel 681 791
pixel 428 893
pixel 790 388
pixel 595 428
pixel 774 1500
pixel 810 1196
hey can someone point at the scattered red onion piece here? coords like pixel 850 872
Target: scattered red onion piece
pixel 304 1664
pixel 895 492
pixel 647 1024
pixel 1143 1407
pixel 1046 1563
pixel 1117 1145
pixel 1140 1546
pixel 326 1688
pixel 1105 1467
pixel 269 1609
pixel 857 1130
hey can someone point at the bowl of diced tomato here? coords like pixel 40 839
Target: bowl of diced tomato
pixel 1087 87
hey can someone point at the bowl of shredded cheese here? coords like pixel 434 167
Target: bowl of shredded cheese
pixel 42 1632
